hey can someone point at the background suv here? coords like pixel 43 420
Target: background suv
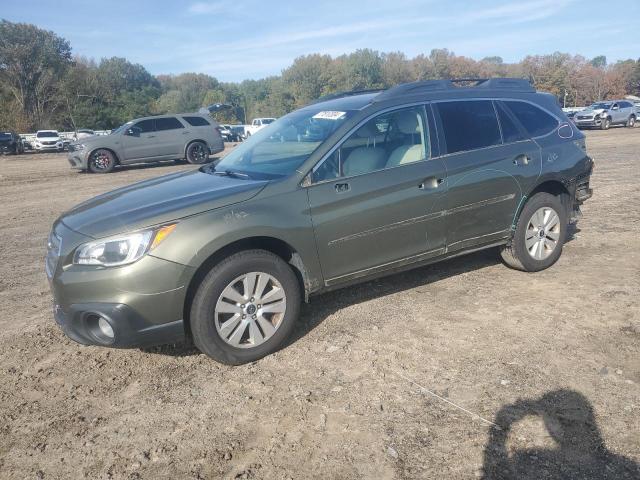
pixel 48 141
pixel 344 190
pixel 605 114
pixel 150 139
pixel 11 142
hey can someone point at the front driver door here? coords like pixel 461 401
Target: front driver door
pixel 376 201
pixel 138 141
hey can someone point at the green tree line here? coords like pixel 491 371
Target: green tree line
pixel 43 85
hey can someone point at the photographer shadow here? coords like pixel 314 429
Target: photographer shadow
pixel 580 454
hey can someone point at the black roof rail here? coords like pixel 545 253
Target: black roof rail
pixel 514 84
pixel 350 93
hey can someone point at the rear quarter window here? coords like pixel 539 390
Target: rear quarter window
pixel 468 125
pixel 535 120
pixel 197 121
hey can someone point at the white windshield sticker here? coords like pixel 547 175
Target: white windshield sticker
pixel 330 115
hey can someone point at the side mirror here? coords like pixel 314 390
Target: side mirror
pixel 615 107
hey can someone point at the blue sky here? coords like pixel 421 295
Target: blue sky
pixel 236 39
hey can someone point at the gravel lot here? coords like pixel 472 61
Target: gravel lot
pixel 363 390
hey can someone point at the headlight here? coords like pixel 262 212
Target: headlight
pixel 121 250
pixel 597 115
pixel 77 147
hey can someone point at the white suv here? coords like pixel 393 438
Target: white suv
pixel 257 124
pixel 48 141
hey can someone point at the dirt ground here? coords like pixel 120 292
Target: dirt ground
pixel 372 382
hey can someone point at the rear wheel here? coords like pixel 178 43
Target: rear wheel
pixel 540 234
pixel 197 153
pixel 101 161
pixel 631 122
pixel 245 308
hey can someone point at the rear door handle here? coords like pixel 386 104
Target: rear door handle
pixel 186 133
pixel 342 187
pixel 431 183
pixel 521 160
pixel 151 136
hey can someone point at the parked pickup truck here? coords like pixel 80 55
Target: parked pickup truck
pixel 256 125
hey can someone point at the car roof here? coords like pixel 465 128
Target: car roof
pixel 429 90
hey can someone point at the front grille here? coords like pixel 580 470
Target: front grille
pixel 583 117
pixel 48 143
pixel 54 244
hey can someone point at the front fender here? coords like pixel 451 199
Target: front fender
pixel 283 217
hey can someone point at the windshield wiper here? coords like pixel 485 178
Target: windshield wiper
pixel 231 173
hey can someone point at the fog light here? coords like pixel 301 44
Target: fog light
pixel 105 328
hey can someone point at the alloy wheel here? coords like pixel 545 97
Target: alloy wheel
pixel 250 309
pixel 543 233
pixel 101 160
pixel 197 153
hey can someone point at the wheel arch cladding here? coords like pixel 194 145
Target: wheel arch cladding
pixel 554 187
pixel 271 244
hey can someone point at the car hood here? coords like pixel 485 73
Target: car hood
pixel 157 201
pixel 48 139
pixel 596 111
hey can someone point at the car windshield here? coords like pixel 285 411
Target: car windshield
pixel 277 150
pixel 46 134
pixel 267 121
pixel 600 105
pixel 5 136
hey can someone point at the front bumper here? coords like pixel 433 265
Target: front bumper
pixel 50 148
pixel 143 302
pixel 592 122
pixel 77 159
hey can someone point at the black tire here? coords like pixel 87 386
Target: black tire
pixel 606 123
pixel 515 254
pixel 632 121
pixel 202 321
pixel 101 161
pixel 197 153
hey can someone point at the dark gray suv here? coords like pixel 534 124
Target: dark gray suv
pixel 341 191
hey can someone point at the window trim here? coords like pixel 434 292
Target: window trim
pixel 155 121
pixel 307 180
pixel 558 119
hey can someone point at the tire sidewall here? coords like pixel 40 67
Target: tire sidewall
pixel 190 147
pixel 202 317
pixel 536 202
pixel 94 169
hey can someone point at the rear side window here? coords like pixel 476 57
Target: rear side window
pixel 535 120
pixel 510 131
pixel 169 123
pixel 196 121
pixel 468 125
pixel 146 126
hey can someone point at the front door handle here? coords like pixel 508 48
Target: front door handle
pixel 151 136
pixel 342 187
pixel 431 183
pixel 521 160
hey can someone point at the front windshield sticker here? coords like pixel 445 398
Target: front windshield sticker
pixel 330 115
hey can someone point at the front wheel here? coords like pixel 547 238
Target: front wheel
pixel 245 308
pixel 101 161
pixel 631 122
pixel 540 234
pixel 606 123
pixel 197 153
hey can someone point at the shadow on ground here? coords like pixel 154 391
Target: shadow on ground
pixel 580 453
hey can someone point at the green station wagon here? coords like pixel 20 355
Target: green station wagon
pixel 355 186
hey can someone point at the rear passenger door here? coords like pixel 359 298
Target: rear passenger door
pixel 486 174
pixel 170 136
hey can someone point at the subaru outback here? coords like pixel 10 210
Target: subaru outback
pixel 146 140
pixel 350 188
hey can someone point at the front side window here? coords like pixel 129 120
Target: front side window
pixel 278 149
pixel 146 126
pixel 168 123
pixel 535 120
pixel 468 125
pixel 389 140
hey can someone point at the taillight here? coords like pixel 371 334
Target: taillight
pixel 219 130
